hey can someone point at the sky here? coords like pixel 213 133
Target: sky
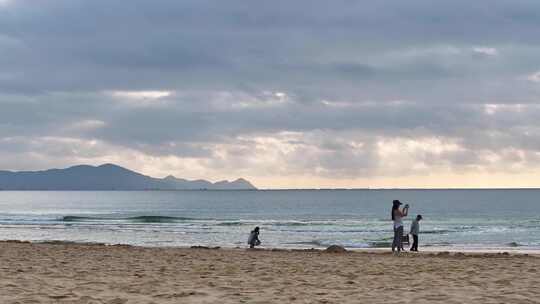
pixel 287 94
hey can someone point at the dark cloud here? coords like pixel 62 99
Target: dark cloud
pixel 338 50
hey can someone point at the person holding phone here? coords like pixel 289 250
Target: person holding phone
pixel 397 219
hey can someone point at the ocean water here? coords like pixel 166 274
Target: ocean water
pixel 453 219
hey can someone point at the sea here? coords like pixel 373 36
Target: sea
pixel 475 220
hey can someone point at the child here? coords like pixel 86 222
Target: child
pixel 415 230
pixel 253 239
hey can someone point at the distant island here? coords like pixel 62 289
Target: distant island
pixel 107 177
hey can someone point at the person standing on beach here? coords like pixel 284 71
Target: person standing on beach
pixel 253 239
pixel 415 230
pixel 397 216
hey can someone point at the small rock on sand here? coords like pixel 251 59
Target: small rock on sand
pixel 336 249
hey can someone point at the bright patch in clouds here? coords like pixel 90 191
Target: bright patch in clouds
pixel 89 124
pixel 337 104
pixel 492 109
pixel 486 51
pixel 141 94
pixel 534 77
pixel 406 156
pixel 141 98
pixel 265 99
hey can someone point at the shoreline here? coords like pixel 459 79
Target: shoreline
pixel 376 250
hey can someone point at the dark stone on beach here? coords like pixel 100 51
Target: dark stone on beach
pixel 336 249
pixel 122 246
pixel 16 242
pixel 204 247
pixel 55 242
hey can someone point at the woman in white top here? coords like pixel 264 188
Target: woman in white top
pixel 397 216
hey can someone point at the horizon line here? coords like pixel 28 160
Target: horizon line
pixel 274 189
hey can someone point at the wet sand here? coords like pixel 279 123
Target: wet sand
pixel 76 273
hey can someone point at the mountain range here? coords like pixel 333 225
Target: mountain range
pixel 107 177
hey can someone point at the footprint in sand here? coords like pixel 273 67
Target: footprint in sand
pixel 182 294
pixel 117 301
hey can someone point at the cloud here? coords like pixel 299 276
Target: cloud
pixel 197 45
pixel 140 94
pixel 486 51
pixel 534 77
pixel 339 93
pixel 141 98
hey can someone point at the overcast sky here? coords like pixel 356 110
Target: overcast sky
pixel 303 93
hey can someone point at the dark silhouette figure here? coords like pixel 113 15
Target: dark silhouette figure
pixel 415 230
pixel 397 216
pixel 253 239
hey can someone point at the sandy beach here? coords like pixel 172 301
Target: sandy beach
pixel 74 273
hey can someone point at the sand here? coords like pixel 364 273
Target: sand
pixel 72 273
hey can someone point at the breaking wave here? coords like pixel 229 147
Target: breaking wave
pixel 134 219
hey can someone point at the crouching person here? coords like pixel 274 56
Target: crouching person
pixel 253 239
